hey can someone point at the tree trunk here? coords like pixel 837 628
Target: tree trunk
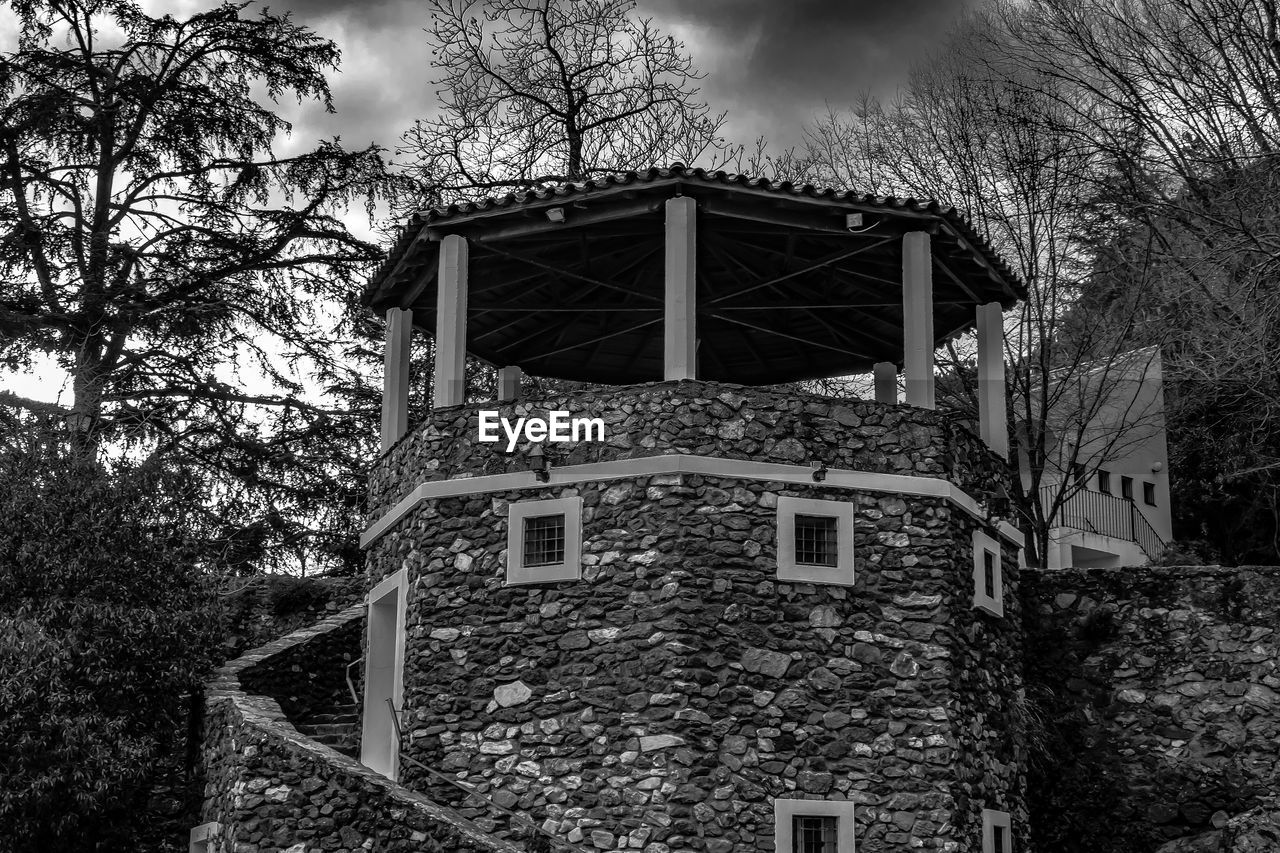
pixel 575 155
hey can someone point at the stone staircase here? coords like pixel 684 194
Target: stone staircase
pixel 337 728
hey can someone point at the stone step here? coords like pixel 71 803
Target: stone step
pixel 333 718
pixel 317 730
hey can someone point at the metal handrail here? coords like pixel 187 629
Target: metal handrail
pixel 1146 536
pixel 516 817
pixel 1107 515
pixel 351 684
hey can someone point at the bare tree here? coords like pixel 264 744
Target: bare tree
pixel 974 128
pixel 538 92
pixel 1184 105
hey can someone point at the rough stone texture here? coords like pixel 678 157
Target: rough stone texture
pixel 709 418
pixel 1159 695
pixel 306 672
pixel 257 610
pixel 1254 831
pixel 662 716
pixel 274 790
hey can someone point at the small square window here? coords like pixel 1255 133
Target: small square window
pixel 996 833
pixel 815 541
pixel 1126 488
pixel 814 833
pixel 1149 494
pixel 813 826
pixel 1104 482
pixel 544 541
pixel 988 575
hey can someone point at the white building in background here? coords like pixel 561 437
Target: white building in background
pixel 1120 515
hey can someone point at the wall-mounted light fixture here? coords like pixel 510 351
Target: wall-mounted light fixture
pixel 819 469
pixel 539 464
pixel 555 214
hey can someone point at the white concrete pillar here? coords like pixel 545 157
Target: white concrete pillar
pixel 917 318
pixel 509 384
pixel 679 340
pixel 993 424
pixel 886 381
pixel 451 323
pixel 395 376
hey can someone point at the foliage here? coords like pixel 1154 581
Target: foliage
pixel 538 92
pixel 999 138
pixel 106 623
pixel 189 279
pixel 292 594
pixel 1188 552
pixel 1185 96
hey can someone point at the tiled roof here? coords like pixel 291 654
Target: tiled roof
pixel 679 173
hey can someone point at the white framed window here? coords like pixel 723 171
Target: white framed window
pixel 544 540
pixel 813 826
pixel 996 835
pixel 815 541
pixel 202 837
pixel 988 575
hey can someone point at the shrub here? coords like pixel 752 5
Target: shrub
pixel 106 623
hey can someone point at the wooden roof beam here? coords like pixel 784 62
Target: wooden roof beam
pixel 536 223
pixel 830 259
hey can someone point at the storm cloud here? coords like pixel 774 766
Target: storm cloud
pixel 775 65
pixel 772 64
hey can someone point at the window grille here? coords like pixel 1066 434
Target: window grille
pixel 816 540
pixel 1104 482
pixel 1149 494
pixel 543 540
pixel 1126 488
pixel 813 834
pixel 989 573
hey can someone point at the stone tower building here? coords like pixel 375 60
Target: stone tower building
pixel 725 614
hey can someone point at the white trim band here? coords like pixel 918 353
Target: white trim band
pixel 680 463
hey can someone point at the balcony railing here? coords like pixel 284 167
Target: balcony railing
pixel 1106 515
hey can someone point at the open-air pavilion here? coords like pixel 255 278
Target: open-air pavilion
pixel 679 273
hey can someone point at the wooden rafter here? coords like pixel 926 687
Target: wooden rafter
pixel 838 256
pixel 569 273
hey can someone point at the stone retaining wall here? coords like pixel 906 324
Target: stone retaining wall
pixel 308 676
pixel 731 421
pixel 1159 693
pixel 272 790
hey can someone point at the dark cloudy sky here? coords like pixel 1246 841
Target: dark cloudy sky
pixel 773 64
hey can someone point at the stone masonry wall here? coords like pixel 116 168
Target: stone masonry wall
pixel 662 702
pixel 731 421
pixel 274 791
pixel 989 700
pixel 1158 691
pixel 311 677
